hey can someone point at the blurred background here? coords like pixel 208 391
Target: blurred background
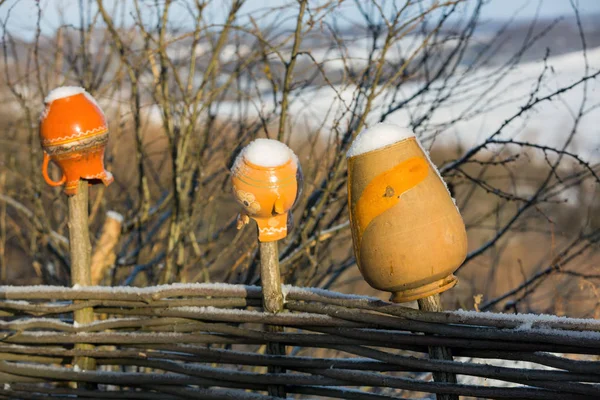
pixel 504 94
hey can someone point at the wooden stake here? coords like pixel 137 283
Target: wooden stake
pixel 80 248
pixel 433 303
pixel 270 278
pixel 104 254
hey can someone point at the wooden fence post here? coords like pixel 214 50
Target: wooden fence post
pixel 433 303
pixel 270 277
pixel 272 295
pixel 80 262
pixel 104 254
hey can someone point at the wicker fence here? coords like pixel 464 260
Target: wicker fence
pixel 208 341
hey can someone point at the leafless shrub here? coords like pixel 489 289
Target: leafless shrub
pixel 186 85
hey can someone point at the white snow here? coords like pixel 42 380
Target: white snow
pixel 524 327
pixel 215 311
pixel 265 153
pixel 437 171
pixel 211 289
pixel 579 335
pixel 290 289
pixel 115 215
pixel 62 92
pixel 93 100
pixel 527 320
pixel 377 137
pixel 477 380
pixel 23 323
pixel 479 106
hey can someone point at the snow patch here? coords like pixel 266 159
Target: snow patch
pixel 64 91
pixel 93 100
pixel 526 326
pixel 213 287
pixel 377 137
pixel 481 381
pixel 215 311
pixel 265 153
pixel 291 290
pixel 578 335
pixel 528 320
pixel 437 171
pixel 115 215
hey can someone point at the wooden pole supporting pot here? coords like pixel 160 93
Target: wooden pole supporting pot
pixel 73 134
pixel 272 299
pixel 79 241
pixel 270 277
pixel 433 303
pixel 267 181
pixel 408 235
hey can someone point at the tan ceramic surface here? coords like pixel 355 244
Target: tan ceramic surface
pixel 416 238
pixel 267 194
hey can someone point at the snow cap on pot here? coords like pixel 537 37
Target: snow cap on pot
pixel 74 133
pixel 407 233
pixel 267 180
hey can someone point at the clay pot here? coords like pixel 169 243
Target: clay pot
pixel 267 195
pixel 74 133
pixel 407 233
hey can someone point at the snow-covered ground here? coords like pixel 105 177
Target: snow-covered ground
pixel 479 103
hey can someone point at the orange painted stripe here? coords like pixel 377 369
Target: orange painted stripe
pixel 384 191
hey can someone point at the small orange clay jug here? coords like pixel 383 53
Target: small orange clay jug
pixel 408 235
pixel 74 133
pixel 266 179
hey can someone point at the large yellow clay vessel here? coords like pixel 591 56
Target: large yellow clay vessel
pixel 266 192
pixel 408 235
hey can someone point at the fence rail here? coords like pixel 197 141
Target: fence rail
pixel 208 341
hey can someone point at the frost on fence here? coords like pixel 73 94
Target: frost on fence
pixel 201 339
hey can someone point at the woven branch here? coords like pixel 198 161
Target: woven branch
pixel 209 340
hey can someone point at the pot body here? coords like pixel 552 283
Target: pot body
pixel 267 195
pixel 408 235
pixel 74 133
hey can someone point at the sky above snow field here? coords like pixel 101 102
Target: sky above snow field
pixel 23 13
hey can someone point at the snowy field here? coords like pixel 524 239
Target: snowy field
pixel 479 104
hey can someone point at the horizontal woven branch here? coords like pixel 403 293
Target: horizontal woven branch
pixel 208 341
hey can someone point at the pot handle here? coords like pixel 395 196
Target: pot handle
pixel 45 173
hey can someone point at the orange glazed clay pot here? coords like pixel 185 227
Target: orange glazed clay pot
pixel 267 193
pixel 408 235
pixel 74 133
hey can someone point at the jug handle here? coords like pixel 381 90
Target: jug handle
pixel 45 173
